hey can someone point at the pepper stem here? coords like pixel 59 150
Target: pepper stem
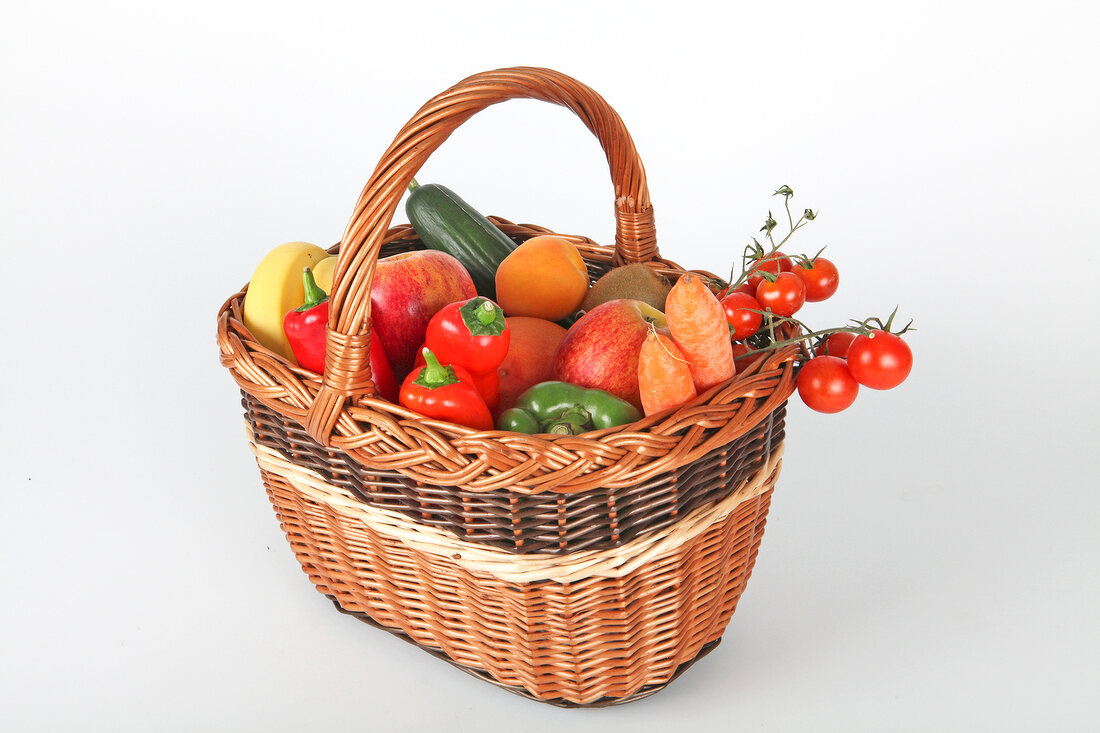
pixel 434 374
pixel 433 369
pixel 483 317
pixel 314 295
pixel 563 427
pixel 487 312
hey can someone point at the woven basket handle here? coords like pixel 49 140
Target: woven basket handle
pixel 347 361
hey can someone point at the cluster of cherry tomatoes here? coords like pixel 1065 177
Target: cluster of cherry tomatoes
pixel 843 360
pixel 774 286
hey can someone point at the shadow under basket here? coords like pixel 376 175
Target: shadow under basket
pixel 584 570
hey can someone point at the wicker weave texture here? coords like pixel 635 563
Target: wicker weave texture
pixel 559 702
pixel 586 569
pixel 578 641
pixel 528 523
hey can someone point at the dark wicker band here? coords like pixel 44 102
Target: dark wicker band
pixel 528 523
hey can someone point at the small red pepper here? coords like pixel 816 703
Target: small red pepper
pixel 305 330
pixel 472 334
pixel 488 384
pixel 305 326
pixel 445 393
pixel 381 373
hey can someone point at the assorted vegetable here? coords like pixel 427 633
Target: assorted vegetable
pixel 783 296
pixel 445 222
pixel 566 409
pixel 487 384
pixel 473 334
pixel 445 393
pixel 275 289
pixel 879 359
pixel 819 276
pixel 835 344
pixel 826 385
pixel 697 322
pixel 743 314
pixel 664 374
pixel 484 310
pixel 305 325
pixel 304 328
pixel 864 353
pixel 381 373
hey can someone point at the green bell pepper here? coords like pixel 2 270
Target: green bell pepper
pixel 566 409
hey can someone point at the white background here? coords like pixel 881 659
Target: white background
pixel 931 556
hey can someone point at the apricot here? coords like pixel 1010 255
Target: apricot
pixel 545 277
pixel 530 358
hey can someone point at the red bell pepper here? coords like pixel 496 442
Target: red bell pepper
pixel 472 334
pixel 305 326
pixel 381 373
pixel 305 330
pixel 445 393
pixel 488 384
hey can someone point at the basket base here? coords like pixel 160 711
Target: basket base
pixel 481 674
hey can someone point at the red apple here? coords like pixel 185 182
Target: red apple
pixel 601 349
pixel 408 289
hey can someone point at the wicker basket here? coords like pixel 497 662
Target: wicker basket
pixel 576 570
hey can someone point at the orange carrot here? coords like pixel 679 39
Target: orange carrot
pixel 698 325
pixel 664 375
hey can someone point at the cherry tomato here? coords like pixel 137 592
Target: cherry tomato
pixel 775 264
pixel 784 296
pixel 739 309
pixel 836 344
pixel 821 279
pixel 740 361
pixel 879 360
pixel 826 385
pixel 742 288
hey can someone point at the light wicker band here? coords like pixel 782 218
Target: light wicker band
pixel 587 641
pixel 509 567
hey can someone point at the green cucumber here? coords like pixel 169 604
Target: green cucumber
pixel 445 222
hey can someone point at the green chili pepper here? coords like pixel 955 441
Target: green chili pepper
pixel 518 421
pixel 566 409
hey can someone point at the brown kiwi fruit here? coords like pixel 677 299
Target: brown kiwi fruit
pixel 637 281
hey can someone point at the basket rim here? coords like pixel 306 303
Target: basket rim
pixel 387 436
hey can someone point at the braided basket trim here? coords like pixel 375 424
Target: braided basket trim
pixel 388 437
pixel 336 409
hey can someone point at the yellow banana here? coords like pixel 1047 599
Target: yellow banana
pixel 276 287
pixel 322 273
